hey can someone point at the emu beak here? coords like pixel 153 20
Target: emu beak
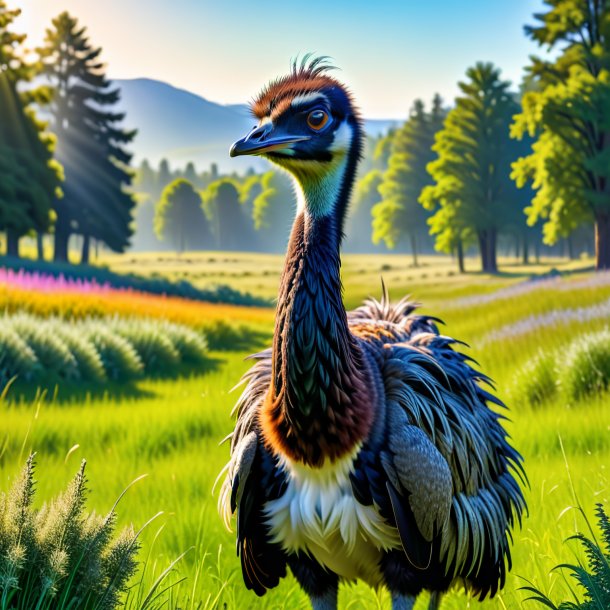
pixel 262 140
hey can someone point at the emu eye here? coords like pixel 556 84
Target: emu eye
pixel 317 119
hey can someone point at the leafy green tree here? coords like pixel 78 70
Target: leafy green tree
pixel 273 210
pixel 90 142
pixel 30 177
pixel 144 187
pixel 179 217
pixel 230 226
pixel 366 195
pixel 472 172
pixel 567 107
pixel 452 236
pixel 249 190
pixel 383 149
pixel 399 215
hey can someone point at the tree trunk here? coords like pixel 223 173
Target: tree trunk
pixel 84 258
pixel 526 253
pixel 570 243
pixel 460 256
pixel 492 264
pixel 482 237
pixel 414 249
pixel 62 237
pixel 537 250
pixel 40 245
pixel 12 243
pixel 602 240
pixel 487 246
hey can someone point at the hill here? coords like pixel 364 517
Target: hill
pixel 182 126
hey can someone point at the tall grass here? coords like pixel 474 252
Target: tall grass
pixel 172 428
pixel 57 557
pixel 94 349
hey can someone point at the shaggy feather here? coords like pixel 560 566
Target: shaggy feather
pixel 365 446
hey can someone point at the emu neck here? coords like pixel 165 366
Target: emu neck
pixel 318 407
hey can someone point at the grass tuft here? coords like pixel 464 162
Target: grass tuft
pixel 586 369
pixel 58 557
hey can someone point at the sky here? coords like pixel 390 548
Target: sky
pixel 390 52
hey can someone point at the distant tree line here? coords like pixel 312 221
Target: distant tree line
pixel 498 169
pixel 68 174
pixel 526 166
pixel 184 209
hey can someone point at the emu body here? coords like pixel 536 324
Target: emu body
pixel 364 447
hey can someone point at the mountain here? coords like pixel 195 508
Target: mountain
pixel 180 126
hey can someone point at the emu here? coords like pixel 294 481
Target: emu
pixel 364 446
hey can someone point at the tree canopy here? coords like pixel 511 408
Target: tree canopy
pixel 567 109
pixel 399 214
pixel 472 173
pixel 179 217
pixel 227 218
pixel 30 176
pixel 90 141
pixel 273 210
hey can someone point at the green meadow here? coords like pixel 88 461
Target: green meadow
pixel 170 429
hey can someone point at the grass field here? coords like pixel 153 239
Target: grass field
pixel 170 429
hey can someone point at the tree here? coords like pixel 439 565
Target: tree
pixel 164 175
pixel 452 236
pixel 179 217
pixel 472 172
pixel 30 176
pixel 568 110
pixel 226 216
pixel 399 215
pixel 90 142
pixel 366 195
pixel 249 190
pixel 273 210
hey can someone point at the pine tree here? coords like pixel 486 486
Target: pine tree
pixel 472 172
pixel 30 177
pixel 567 108
pixel 399 215
pixel 164 176
pixel 90 142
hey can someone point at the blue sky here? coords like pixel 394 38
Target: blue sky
pixel 389 52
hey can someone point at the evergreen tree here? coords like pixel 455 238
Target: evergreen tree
pixel 30 177
pixel 179 217
pixel 90 142
pixel 190 173
pixel 145 179
pixel 399 215
pixel 472 172
pixel 144 186
pixel 568 109
pixel 164 176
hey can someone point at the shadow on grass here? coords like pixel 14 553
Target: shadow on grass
pixel 69 391
pixel 524 272
pixel 226 338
